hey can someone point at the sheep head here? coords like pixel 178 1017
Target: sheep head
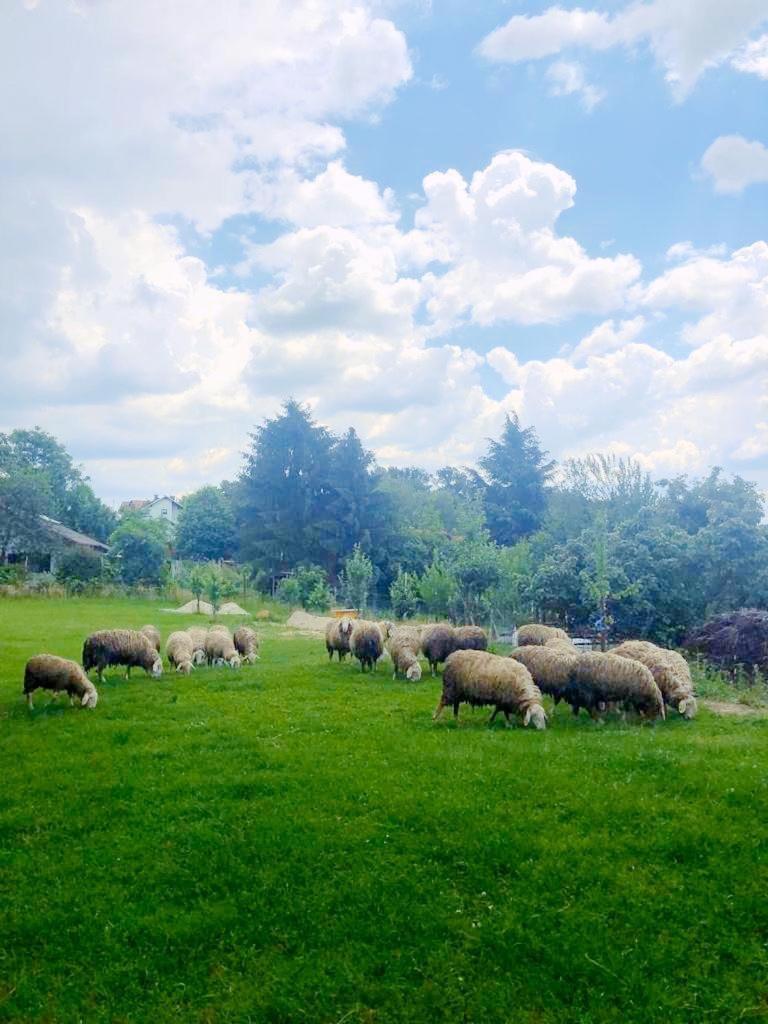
pixel 90 698
pixel 234 661
pixel 414 673
pixel 688 707
pixel 535 715
pixel 198 658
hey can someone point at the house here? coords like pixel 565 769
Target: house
pixel 62 538
pixel 164 507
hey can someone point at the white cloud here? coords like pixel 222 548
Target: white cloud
pixel 607 336
pixel 687 37
pixel 125 345
pixel 753 58
pixel 734 162
pixel 505 260
pixel 567 78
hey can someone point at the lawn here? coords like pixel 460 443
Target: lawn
pixel 294 842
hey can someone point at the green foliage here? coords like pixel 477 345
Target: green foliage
pixel 518 471
pixel 357 579
pixel 214 588
pixel 475 566
pixel 138 550
pixel 76 569
pixel 437 589
pixel 24 497
pixel 307 587
pixel 195 581
pixel 66 493
pixel 285 495
pixel 206 527
pixel 404 595
pixel 510 597
pixel 288 591
pixel 571 910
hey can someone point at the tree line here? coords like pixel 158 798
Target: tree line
pixel 592 543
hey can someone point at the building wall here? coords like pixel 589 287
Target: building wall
pixel 162 508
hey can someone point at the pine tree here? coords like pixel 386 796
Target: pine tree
pixel 517 471
pixel 285 493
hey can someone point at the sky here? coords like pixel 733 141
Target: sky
pixel 415 217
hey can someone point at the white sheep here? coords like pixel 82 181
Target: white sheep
pixel 403 646
pixel 477 678
pixel 49 672
pixel 179 651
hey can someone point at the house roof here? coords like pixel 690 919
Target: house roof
pixel 71 536
pixel 133 505
pixel 163 497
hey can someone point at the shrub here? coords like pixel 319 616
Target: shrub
pixel 437 590
pixel 77 569
pixel 404 595
pixel 288 591
pixel 357 578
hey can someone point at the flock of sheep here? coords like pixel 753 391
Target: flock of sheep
pixel 140 648
pixel 637 675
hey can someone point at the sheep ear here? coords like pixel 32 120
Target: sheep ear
pixel 84 699
pixel 682 706
pixel 527 717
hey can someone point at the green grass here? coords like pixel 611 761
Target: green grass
pixel 297 843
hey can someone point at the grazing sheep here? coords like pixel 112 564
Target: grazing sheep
pixel 120 647
pixel 49 672
pixel 559 643
pixel 534 633
pixel 599 679
pixel 437 642
pixel 550 668
pixel 476 677
pixel 470 638
pixel 337 634
pixel 366 643
pixel 220 648
pixel 152 633
pixel 668 668
pixel 197 635
pixel 403 646
pixel 386 627
pixel 180 652
pixel 247 644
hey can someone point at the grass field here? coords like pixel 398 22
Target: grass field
pixel 296 843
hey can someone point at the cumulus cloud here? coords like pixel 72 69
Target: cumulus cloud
pixel 567 78
pixel 753 57
pixel 675 413
pixel 496 233
pixel 733 163
pixel 686 37
pixel 121 340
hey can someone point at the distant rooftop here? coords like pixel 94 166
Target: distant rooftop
pixel 72 536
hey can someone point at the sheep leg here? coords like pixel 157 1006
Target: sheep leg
pixel 456 710
pixel 508 719
pixel 128 672
pixel 439 709
pixel 30 705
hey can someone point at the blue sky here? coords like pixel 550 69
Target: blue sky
pixel 415 217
